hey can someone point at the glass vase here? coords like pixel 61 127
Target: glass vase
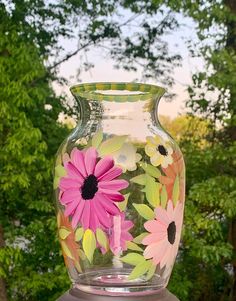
pixel 120 190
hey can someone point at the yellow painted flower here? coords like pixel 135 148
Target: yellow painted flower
pixel 159 151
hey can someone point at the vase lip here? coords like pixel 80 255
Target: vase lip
pixel 89 91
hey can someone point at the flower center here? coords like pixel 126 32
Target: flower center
pixel 89 187
pixel 171 232
pixel 162 150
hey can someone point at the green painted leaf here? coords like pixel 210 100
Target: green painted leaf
pixel 132 246
pixel 79 234
pixel 102 239
pixel 66 250
pixel 122 205
pixel 140 179
pixel 164 197
pixel 144 211
pixel 111 145
pixel 138 239
pixel 151 271
pixel 56 182
pixel 151 170
pixel 175 193
pixel 81 254
pixel 89 244
pixel 132 258
pixel 97 139
pixel 63 233
pixel 60 171
pixel 152 191
pixel 139 270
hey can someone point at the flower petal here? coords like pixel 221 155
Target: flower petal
pixel 126 225
pixel 71 195
pixel 151 226
pixel 107 203
pixel 153 249
pixel 111 174
pixel 161 252
pixel 77 158
pixel 85 217
pixel 156 160
pixel 154 238
pixel 70 208
pixel 112 194
pixel 73 172
pixel 67 183
pixel 94 222
pixel 114 184
pixel 90 160
pixel 162 216
pixel 103 217
pixel 77 215
pixel 103 166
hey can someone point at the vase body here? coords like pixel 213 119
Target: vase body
pixel 120 190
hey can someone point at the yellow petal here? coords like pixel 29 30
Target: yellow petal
pixel 150 150
pixel 156 160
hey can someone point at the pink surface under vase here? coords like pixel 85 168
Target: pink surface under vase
pixel 120 187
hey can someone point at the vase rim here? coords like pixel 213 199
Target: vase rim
pixel 88 91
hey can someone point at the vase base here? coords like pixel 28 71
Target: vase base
pixel 116 283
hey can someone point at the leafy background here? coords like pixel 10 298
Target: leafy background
pixel 31 53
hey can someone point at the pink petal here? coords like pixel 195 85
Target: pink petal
pixel 161 252
pixel 153 249
pixel 126 225
pixel 70 208
pixel 85 218
pixel 126 236
pixel 167 258
pixel 90 160
pixel 107 203
pixel 103 217
pixel 73 172
pixel 114 184
pixel 78 212
pixel 170 210
pixel 77 158
pixel 103 166
pixel 162 216
pixel 152 226
pixel 67 183
pixel 178 215
pixel 113 195
pixel 154 238
pixel 111 174
pixel 94 222
pixel 71 195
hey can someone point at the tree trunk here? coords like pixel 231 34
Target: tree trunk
pixel 3 292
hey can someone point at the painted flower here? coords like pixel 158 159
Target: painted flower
pixel 90 189
pixel 67 240
pixel 159 151
pixel 163 240
pixel 171 172
pixel 120 234
pixel 126 157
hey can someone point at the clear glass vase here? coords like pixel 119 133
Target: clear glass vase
pixel 120 188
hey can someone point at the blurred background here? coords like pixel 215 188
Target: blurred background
pixel 187 46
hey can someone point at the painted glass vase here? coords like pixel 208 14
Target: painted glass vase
pixel 120 188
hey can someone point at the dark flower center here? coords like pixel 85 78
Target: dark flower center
pixel 89 187
pixel 171 232
pixel 162 150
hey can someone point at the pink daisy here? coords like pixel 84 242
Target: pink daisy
pixel 162 243
pixel 90 190
pixel 120 234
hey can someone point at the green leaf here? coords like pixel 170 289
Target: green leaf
pixel 132 246
pixel 151 170
pixel 140 179
pixel 111 145
pixel 60 171
pixel 138 239
pixel 63 233
pixel 122 205
pixel 66 250
pixel 152 191
pixel 140 270
pixel 56 182
pixel 164 197
pixel 175 193
pixel 89 244
pixel 102 239
pixel 151 271
pixel 97 139
pixel 144 211
pixel 81 254
pixel 133 258
pixel 79 234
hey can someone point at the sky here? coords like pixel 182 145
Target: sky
pixel 104 71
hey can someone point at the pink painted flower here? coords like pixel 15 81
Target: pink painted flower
pixel 120 234
pixel 90 189
pixel 162 243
